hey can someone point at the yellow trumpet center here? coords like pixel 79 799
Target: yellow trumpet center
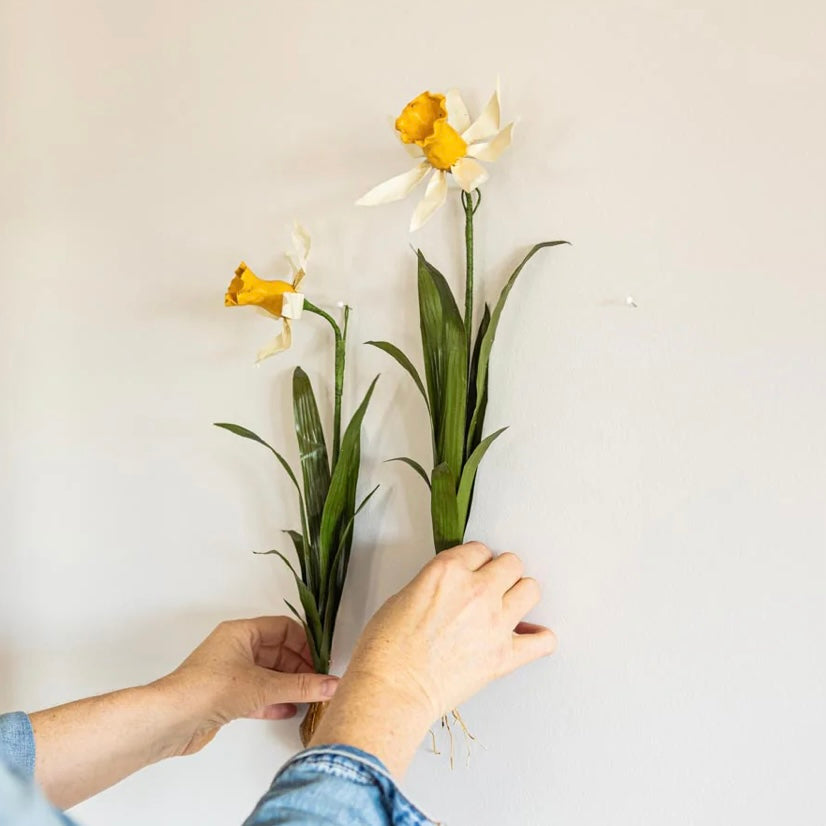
pixel 248 289
pixel 445 146
pixel 415 123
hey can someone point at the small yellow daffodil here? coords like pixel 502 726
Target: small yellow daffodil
pixel 279 299
pixel 438 127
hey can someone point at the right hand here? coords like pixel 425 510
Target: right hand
pixel 456 627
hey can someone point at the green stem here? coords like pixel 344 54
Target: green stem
pixel 467 203
pixel 340 352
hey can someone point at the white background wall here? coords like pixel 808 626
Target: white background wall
pixel 665 469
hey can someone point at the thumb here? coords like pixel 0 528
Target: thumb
pixel 297 688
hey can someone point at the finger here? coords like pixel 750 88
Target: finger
pixel 297 688
pixel 275 631
pixel 276 711
pixel 282 658
pixel 532 642
pixel 521 598
pixel 472 554
pixel 506 570
pixel 291 663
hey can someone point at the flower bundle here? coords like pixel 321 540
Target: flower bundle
pixel 327 493
pixel 456 352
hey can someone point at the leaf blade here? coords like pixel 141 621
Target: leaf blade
pixel 465 492
pixel 401 358
pixel 312 450
pixel 413 464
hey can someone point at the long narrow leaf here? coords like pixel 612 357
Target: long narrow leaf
pixel 448 529
pixel 312 449
pixel 318 663
pixel 465 493
pixel 490 333
pixel 303 558
pixel 405 362
pixel 452 366
pixel 308 601
pixel 339 566
pixel 431 326
pixel 474 393
pixel 341 498
pixel 248 434
pixel 414 464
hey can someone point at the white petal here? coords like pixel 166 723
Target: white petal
pixel 457 114
pixel 434 197
pixel 413 150
pixel 487 124
pixel 396 188
pixel 301 245
pixel 469 173
pixel 492 149
pixel 292 305
pixel 280 343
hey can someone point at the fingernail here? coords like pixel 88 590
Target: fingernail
pixel 328 687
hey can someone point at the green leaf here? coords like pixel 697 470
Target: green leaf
pixel 448 529
pixel 341 498
pixel 405 362
pixel 445 350
pixel 414 464
pixel 319 664
pixel 248 434
pixel 431 325
pixel 490 334
pixel 315 467
pixel 308 601
pixel 474 436
pixel 304 560
pixel 465 493
pixel 340 563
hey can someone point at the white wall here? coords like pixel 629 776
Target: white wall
pixel 665 469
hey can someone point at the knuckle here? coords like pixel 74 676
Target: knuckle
pixel 511 560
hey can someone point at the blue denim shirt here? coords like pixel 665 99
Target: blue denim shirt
pixel 323 786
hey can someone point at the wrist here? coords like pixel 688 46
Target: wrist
pixel 178 718
pixel 378 716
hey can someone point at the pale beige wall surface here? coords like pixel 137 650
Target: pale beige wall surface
pixel 665 469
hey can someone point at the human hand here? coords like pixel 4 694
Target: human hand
pixel 456 627
pixel 255 668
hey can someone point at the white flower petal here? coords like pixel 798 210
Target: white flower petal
pixel 492 149
pixel 301 245
pixel 280 343
pixel 487 124
pixel 396 188
pixel 469 173
pixel 292 305
pixel 457 114
pixel 434 197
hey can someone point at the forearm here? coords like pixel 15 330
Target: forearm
pixel 376 717
pixel 89 745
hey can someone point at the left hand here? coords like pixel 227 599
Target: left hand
pixel 257 668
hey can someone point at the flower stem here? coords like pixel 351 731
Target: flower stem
pixel 340 353
pixel 467 203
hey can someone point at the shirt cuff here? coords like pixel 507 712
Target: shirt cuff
pixel 17 743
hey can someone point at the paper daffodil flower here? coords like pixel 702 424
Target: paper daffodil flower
pixel 439 128
pixel 279 299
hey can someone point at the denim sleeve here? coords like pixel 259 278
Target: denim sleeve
pixel 335 786
pixel 21 803
pixel 17 743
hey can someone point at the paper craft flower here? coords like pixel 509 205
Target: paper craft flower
pixel 439 128
pixel 280 299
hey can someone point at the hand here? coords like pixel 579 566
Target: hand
pixel 255 668
pixel 244 668
pixel 456 627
